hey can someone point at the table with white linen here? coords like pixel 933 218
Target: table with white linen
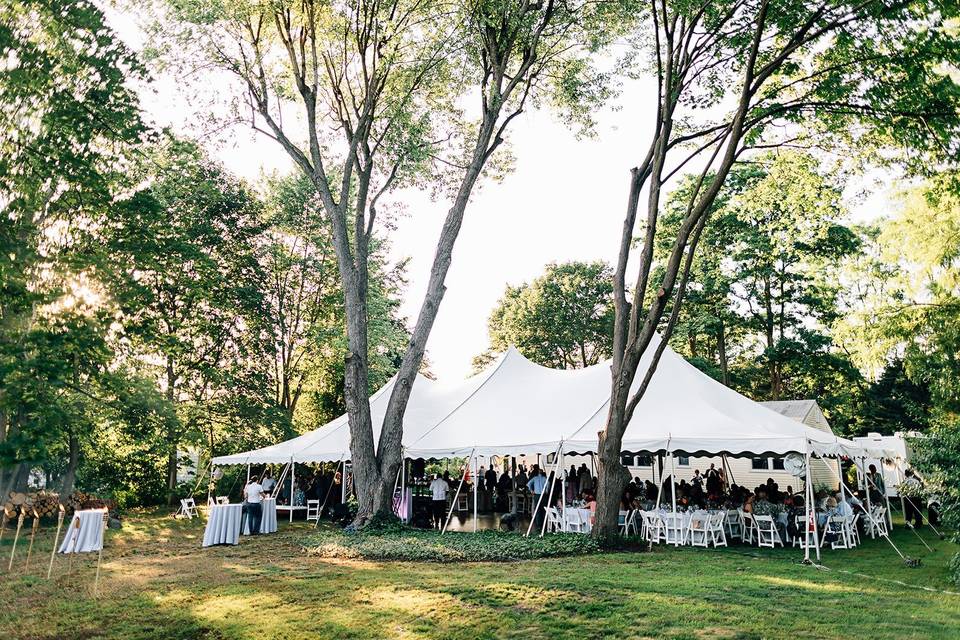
pixel 223 524
pixel 85 533
pixel 268 518
pixel 574 515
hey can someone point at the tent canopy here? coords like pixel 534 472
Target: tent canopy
pixel 518 407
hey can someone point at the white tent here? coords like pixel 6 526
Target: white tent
pixel 518 407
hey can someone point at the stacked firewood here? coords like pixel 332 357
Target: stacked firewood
pixel 47 503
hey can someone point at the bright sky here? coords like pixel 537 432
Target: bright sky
pixel 564 200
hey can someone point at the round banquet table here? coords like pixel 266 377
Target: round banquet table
pixel 85 532
pixel 223 524
pixel 268 518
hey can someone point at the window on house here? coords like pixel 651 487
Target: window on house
pixel 626 459
pixel 683 461
pixel 644 461
pixel 777 463
pixel 759 464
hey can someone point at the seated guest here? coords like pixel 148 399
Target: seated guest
pixel 651 490
pixel 592 505
pixel 748 504
pixel 843 507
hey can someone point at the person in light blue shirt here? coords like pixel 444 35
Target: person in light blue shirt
pixel 536 485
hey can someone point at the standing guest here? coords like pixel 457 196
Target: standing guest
pixel 875 485
pixel 439 488
pixel 504 485
pixel 268 482
pixel 491 479
pixel 584 478
pixel 713 480
pixel 697 479
pixel 252 504
pixel 911 490
pixel 574 480
pixel 536 485
pixel 521 477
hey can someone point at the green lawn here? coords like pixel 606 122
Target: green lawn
pixel 158 583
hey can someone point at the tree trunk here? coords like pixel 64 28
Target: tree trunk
pixel 722 348
pixel 70 475
pixel 171 436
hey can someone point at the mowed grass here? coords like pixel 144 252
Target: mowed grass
pixel 157 582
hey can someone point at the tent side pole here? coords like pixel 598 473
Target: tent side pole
pixel 673 479
pixel 326 498
pixel 563 486
pixel 536 508
pixel 861 466
pixel 403 487
pixel 248 473
pixel 549 492
pixel 453 504
pixel 476 488
pixel 293 474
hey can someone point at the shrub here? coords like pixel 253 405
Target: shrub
pixel 395 543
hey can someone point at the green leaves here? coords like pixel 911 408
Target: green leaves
pixel 563 319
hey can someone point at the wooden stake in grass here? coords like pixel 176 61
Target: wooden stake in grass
pixel 56 539
pixel 33 535
pixel 8 513
pixel 103 540
pixel 13 549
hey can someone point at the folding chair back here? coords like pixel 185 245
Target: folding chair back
pixel 188 507
pixel 767 534
pixel 223 500
pixel 674 531
pixel 697 531
pixel 313 510
pixel 653 527
pixel 554 521
pixel 734 524
pixel 716 532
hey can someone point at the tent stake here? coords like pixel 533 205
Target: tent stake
pixel 56 539
pixel 16 536
pixel 33 534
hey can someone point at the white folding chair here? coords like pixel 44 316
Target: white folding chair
pixel 876 524
pixel 188 507
pixel 653 527
pixel 853 532
pixel 747 526
pixel 223 499
pixel 313 510
pixel 767 534
pixel 674 531
pixel 836 525
pixel 463 503
pixel 716 532
pixel 628 522
pixel 806 536
pixel 697 530
pixel 554 521
pixel 575 522
pixel 734 524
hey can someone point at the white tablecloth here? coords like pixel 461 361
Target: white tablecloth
pixel 223 524
pixel 578 515
pixel 85 532
pixel 268 521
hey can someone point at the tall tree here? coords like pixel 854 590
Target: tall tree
pixel 68 123
pixel 865 74
pixel 379 86
pixel 562 319
pixel 188 277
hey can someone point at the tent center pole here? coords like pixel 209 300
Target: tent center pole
pixel 476 487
